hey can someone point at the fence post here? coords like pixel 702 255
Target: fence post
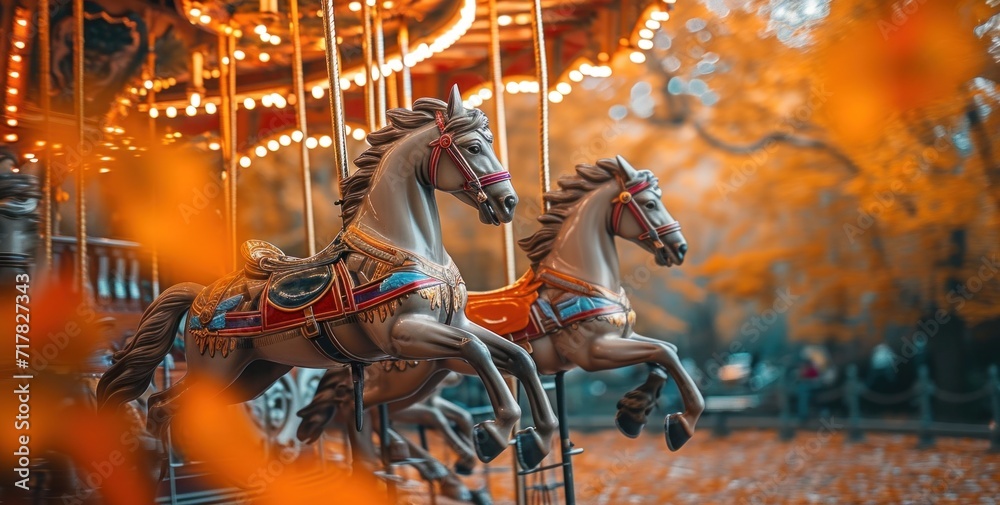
pixel 785 431
pixel 802 402
pixel 925 393
pixel 994 383
pixel 853 398
pixel 719 428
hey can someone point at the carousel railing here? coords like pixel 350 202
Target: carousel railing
pixel 790 404
pixel 119 274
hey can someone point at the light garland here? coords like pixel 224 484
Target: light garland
pixel 15 69
pixel 279 141
pixel 356 76
pixel 644 32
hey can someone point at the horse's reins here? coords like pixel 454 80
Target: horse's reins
pixel 473 183
pixel 626 199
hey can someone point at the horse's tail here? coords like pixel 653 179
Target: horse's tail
pixel 135 364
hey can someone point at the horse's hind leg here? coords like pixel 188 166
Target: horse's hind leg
pixel 416 337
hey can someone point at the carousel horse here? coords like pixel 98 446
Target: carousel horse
pixel 19 196
pixel 453 423
pixel 353 303
pixel 569 310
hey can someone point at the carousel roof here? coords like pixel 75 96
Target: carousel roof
pixel 149 58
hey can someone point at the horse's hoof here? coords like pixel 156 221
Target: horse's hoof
pixel 436 471
pixel 398 451
pixel 677 431
pixel 455 490
pixel 530 449
pixel 481 497
pixel 488 444
pixel 628 424
pixel 464 467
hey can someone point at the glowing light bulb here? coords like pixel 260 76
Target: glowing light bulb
pixel 245 161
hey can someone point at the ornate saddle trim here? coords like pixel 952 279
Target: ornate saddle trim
pixel 586 301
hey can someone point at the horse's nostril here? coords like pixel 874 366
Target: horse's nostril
pixel 683 249
pixel 509 203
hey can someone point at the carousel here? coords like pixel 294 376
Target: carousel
pixel 389 105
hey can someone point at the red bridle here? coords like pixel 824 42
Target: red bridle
pixel 626 199
pixel 473 184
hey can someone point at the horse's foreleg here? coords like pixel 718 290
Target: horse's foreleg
pixel 611 351
pixel 532 445
pixel 421 339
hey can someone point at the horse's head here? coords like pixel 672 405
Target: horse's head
pixel 463 163
pixel 639 216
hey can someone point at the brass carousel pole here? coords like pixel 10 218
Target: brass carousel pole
pixel 542 70
pixel 541 67
pixel 233 160
pixel 500 128
pixel 224 131
pixel 380 103
pixel 82 276
pixel 370 113
pixel 300 118
pixel 46 102
pixel 151 101
pixel 404 49
pixel 336 96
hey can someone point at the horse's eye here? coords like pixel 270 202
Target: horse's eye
pixel 475 149
pixel 650 205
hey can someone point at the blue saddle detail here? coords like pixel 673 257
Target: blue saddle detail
pixel 580 304
pixel 546 309
pixel 397 280
pixel 218 320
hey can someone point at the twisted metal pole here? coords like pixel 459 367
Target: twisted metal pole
pixel 380 100
pixel 82 275
pixel 404 50
pixel 46 70
pixel 336 96
pixel 300 118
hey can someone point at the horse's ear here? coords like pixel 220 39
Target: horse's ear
pixel 455 107
pixel 627 170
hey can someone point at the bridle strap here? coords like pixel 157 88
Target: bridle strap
pixel 626 199
pixel 473 184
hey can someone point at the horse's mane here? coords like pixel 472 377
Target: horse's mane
pixel 401 123
pixel 562 200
